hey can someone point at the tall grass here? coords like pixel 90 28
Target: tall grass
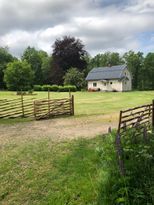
pixel 137 186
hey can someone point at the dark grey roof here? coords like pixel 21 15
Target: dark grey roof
pixel 106 73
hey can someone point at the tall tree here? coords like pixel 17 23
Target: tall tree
pixel 33 57
pixel 134 62
pixel 5 58
pixel 18 75
pixel 67 52
pixel 148 72
pixel 106 59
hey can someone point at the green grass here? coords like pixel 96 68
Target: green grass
pixel 46 172
pixel 95 103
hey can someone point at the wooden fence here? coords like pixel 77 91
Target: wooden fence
pixel 50 108
pixel 38 109
pixel 14 108
pixel 139 119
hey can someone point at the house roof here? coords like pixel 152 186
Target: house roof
pixel 106 73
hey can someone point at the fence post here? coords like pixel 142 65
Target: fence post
pixel 34 110
pixel 49 103
pixel 69 93
pixel 119 154
pixel 72 107
pixel 153 115
pixel 119 125
pixel 22 104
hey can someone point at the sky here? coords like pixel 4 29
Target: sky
pixel 101 25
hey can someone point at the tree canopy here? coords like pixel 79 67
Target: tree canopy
pixel 67 52
pixel 18 76
pixel 5 58
pixel 74 77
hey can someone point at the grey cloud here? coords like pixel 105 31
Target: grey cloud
pixel 101 24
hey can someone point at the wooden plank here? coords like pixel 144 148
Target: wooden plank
pixel 131 109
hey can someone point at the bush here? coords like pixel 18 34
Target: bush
pixel 137 186
pixel 71 88
pixel 67 88
pixel 37 88
pixel 18 76
pixel 54 88
pixel 46 87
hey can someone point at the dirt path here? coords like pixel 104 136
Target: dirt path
pixel 57 129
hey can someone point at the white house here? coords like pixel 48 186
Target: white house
pixel 114 78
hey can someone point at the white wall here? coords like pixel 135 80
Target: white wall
pixel 116 85
pixel 124 85
pixel 127 84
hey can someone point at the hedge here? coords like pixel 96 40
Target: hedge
pixel 55 88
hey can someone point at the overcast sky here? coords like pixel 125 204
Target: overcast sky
pixel 102 25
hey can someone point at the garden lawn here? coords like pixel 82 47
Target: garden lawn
pixel 44 172
pixel 95 103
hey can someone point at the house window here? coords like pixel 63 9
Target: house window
pixel 94 84
pixel 111 83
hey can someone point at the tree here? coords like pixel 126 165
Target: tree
pixel 18 76
pixel 106 59
pixel 46 70
pixel 134 62
pixel 67 52
pixel 5 58
pixel 74 77
pixel 148 72
pixel 33 57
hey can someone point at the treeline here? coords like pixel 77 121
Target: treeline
pixel 69 64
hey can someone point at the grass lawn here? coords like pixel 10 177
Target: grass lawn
pixel 95 103
pixel 45 172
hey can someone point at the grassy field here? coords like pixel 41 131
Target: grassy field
pixel 41 170
pixel 45 172
pixel 95 103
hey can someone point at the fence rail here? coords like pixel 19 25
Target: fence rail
pixel 38 109
pixel 16 108
pixel 140 119
pixel 49 108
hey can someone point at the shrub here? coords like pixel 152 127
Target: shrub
pixel 71 88
pixel 54 88
pixel 37 88
pixel 67 88
pixel 46 87
pixel 137 186
pixel 18 76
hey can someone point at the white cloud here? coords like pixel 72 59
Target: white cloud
pixel 101 25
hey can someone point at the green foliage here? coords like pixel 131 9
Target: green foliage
pixel 148 72
pixel 37 88
pixel 67 88
pixel 34 58
pixel 18 76
pixel 46 87
pixel 137 186
pixel 74 77
pixel 105 59
pixel 134 62
pixel 5 58
pixel 54 88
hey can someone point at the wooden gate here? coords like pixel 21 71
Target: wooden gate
pixel 48 108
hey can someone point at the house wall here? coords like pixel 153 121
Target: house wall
pixel 110 85
pixel 127 84
pixel 118 85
